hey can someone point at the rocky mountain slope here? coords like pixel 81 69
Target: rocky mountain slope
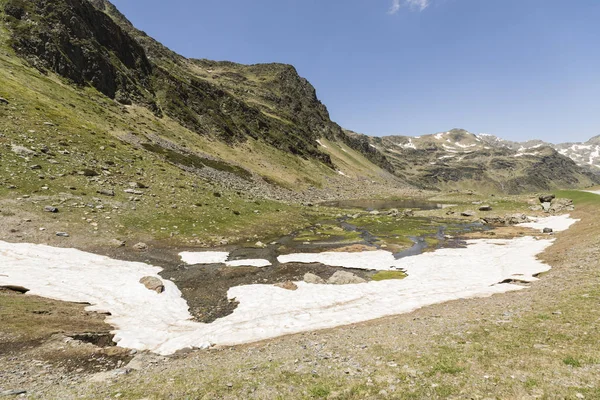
pixel 586 155
pixel 460 159
pixel 124 138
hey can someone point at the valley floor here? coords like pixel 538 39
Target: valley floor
pixel 536 343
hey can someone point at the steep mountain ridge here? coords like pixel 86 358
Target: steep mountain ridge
pixel 91 42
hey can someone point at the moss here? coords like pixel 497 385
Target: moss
pixel 387 275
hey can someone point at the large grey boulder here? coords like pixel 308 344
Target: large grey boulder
pixel 344 278
pixel 560 205
pixel 546 198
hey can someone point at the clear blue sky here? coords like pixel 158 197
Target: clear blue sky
pixel 519 69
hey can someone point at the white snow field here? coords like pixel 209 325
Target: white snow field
pixel 558 223
pixel 146 320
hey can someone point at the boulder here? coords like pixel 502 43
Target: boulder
pixel 561 205
pixel 106 192
pixel 153 283
pixel 140 246
pixel 116 243
pixel 22 151
pixel 468 213
pixel 485 207
pixel 408 213
pixel 546 198
pixel 509 219
pixel 514 219
pixel 548 230
pixel 3 100
pixel 344 278
pixel 314 279
pixel 546 206
pixel 51 209
pixel 289 285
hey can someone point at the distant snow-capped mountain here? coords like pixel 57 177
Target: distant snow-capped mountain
pixel 458 158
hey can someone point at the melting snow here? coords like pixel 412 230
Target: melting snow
pixel 146 320
pixel 321 144
pixel 558 223
pixel 218 257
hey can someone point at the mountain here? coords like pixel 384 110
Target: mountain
pixel 586 155
pixel 460 159
pixel 96 105
pixel 215 107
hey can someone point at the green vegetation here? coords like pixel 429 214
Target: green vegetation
pixel 580 198
pixel 387 275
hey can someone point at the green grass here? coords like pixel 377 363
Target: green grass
pixel 580 198
pixel 387 275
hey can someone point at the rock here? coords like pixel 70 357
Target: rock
pixel 48 124
pixel 536 208
pixel 546 198
pixel 344 278
pixel 140 246
pixel 408 213
pixel 14 392
pixel 289 285
pixel 314 279
pixel 106 192
pixel 138 185
pixel 133 191
pixel 3 101
pixel 36 166
pixel 514 219
pixel 260 244
pixel 153 283
pixel 485 207
pixel 22 151
pixel 509 219
pixel 548 230
pixel 374 212
pixel 468 213
pixel 546 206
pixel 62 234
pixel 88 172
pixel 393 212
pixel 560 205
pixel 51 209
pixel 117 243
pixel 15 288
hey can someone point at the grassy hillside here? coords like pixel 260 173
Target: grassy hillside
pixel 67 142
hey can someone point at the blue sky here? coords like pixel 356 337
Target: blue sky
pixel 519 69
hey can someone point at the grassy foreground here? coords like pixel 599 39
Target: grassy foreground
pixel 538 343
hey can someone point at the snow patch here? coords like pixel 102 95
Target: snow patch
pixel 370 260
pixel 146 320
pixel 557 223
pixel 321 144
pixel 204 257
